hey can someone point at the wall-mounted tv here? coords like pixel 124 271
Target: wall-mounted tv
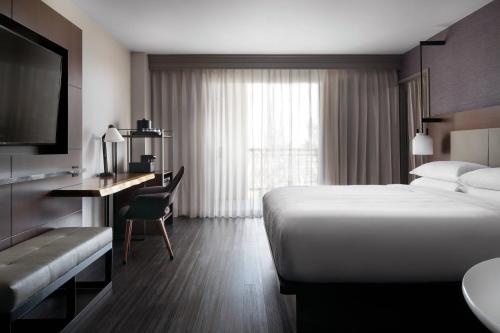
pixel 33 90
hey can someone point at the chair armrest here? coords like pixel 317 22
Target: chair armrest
pixel 150 190
pixel 149 206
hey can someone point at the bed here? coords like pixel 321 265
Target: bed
pixel 372 242
pixel 392 233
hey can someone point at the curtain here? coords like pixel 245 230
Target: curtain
pixel 241 132
pixel 177 98
pixel 360 123
pixel 411 89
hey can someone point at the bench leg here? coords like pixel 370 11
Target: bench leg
pixel 5 324
pixel 70 288
pixel 165 238
pixel 108 266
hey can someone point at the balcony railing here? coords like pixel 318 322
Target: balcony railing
pixel 270 168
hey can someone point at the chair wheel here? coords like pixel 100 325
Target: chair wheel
pixel 171 258
pixel 124 262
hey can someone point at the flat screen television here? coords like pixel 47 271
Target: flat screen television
pixel 33 89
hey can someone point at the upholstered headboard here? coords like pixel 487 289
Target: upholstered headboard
pixel 476 119
pixel 479 146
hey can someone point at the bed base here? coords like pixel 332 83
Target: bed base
pixel 383 307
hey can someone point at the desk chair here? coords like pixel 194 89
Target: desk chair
pixel 151 204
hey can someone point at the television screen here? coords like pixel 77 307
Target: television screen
pixel 30 91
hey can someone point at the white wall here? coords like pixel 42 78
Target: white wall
pixel 105 93
pixel 141 99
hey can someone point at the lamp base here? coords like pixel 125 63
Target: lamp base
pixel 106 175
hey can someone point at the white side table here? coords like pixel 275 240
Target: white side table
pixel 481 289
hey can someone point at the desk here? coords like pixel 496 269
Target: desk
pixel 103 187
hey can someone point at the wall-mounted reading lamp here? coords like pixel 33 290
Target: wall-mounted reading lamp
pixel 422 143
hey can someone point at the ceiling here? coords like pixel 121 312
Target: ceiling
pixel 276 26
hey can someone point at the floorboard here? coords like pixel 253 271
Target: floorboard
pixel 221 280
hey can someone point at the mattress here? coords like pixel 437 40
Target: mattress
pixel 378 234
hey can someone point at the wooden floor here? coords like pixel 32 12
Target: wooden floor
pixel 221 280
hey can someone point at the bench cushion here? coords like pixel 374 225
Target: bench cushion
pixel 32 265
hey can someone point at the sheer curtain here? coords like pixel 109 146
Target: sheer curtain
pixel 240 133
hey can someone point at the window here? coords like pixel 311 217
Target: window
pixel 283 136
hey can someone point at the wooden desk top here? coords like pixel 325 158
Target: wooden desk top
pixel 101 187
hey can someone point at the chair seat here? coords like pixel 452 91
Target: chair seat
pixel 141 214
pixel 32 265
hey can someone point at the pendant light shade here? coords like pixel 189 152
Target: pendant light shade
pixel 422 144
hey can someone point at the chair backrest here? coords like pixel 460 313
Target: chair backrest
pixel 173 186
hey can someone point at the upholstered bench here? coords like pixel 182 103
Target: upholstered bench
pixel 32 270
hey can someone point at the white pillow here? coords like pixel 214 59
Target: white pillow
pixel 482 178
pixel 445 170
pixel 482 193
pixel 436 183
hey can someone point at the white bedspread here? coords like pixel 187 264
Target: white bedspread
pixel 393 233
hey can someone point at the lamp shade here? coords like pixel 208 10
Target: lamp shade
pixel 112 135
pixel 422 145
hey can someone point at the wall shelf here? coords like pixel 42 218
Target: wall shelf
pixel 132 133
pixel 22 179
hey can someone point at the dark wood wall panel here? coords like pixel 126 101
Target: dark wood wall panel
pixel 27 209
pixel 5 226
pixel 72 220
pixel 5 7
pixel 32 206
pixel 75 118
pixel 39 17
pixel 5 229
pixel 75 57
pixel 24 165
pixel 32 209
